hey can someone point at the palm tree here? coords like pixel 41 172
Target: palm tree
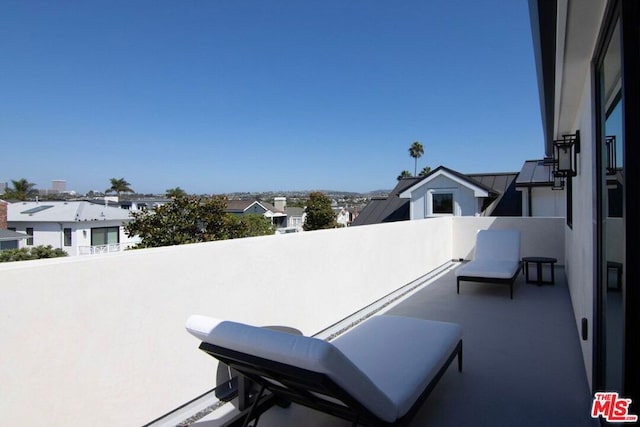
pixel 425 171
pixel 119 186
pixel 404 174
pixel 416 150
pixel 22 190
pixel 174 193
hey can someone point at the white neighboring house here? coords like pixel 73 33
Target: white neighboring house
pixel 343 218
pixel 141 204
pixel 248 207
pixel 446 192
pixel 77 227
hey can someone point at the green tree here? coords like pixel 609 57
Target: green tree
pixel 319 213
pixel 233 227
pixel 416 151
pixel 183 220
pixel 192 219
pixel 119 186
pixel 174 193
pixel 21 190
pixel 425 171
pixel 257 225
pixel 404 174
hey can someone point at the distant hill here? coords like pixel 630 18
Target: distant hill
pixel 378 193
pixel 305 193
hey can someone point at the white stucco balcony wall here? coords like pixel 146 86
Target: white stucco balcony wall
pixel 100 340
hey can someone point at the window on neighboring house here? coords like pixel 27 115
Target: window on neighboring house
pixel 105 236
pixel 30 233
pixel 442 203
pixel 11 228
pixel 67 237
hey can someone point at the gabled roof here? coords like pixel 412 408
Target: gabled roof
pixel 239 206
pixel 479 189
pixel 502 199
pixel 57 211
pixel 8 235
pixel 387 209
pixel 269 206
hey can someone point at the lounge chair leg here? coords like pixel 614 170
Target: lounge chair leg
pixel 458 286
pixel 253 409
pixel 460 357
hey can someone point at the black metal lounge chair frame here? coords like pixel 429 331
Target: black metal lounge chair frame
pixel 500 281
pixel 287 383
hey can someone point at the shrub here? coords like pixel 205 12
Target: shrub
pixel 25 254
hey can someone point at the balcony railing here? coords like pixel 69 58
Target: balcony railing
pixel 100 249
pixel 105 249
pixel 116 350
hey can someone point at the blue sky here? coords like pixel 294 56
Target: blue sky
pixel 223 96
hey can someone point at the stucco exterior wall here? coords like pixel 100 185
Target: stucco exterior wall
pixel 43 233
pixel 581 237
pixel 100 340
pixel 538 236
pixel 544 202
pixel 112 326
pixel 548 202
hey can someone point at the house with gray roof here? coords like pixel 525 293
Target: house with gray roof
pixel 8 238
pixel 77 227
pixel 444 192
pixel 257 207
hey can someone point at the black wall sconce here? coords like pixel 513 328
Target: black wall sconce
pixel 558 183
pixel 557 180
pixel 565 155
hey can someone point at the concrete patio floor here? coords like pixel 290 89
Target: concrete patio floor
pixel 522 360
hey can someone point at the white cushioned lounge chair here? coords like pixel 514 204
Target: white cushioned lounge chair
pixel 376 374
pixel 496 260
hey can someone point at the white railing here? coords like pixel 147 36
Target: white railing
pixel 112 326
pixel 104 249
pixel 100 249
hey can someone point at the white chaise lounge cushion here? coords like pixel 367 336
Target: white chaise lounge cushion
pixel 497 255
pixel 401 355
pixel 385 363
pixel 304 352
pixel 486 268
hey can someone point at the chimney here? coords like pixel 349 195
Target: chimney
pixel 3 215
pixel 280 203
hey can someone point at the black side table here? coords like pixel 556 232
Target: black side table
pixel 538 261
